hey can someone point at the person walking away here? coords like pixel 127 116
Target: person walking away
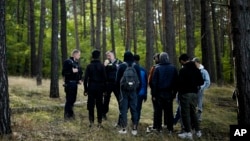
pixel 206 78
pixel 72 74
pixel 190 80
pixel 128 91
pixel 142 95
pixel 164 83
pixel 111 65
pixel 94 87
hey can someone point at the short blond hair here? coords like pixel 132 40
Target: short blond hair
pixel 75 51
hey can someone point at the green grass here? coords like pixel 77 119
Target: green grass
pixel 48 125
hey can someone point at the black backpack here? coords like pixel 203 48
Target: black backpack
pixel 130 80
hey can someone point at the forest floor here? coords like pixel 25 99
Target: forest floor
pixel 36 117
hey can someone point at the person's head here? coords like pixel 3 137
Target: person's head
pixel 76 54
pixel 156 58
pixel 137 58
pixel 183 59
pixel 196 61
pixel 96 54
pixel 164 57
pixel 110 55
pixel 128 57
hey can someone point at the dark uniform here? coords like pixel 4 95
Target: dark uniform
pixel 111 70
pixel 70 86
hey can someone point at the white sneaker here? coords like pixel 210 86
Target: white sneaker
pixel 134 132
pixel 123 131
pixel 198 134
pixel 186 135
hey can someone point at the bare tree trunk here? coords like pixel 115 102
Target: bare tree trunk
pixel 206 43
pixel 98 25
pixel 189 27
pixel 240 18
pixel 149 34
pixel 63 33
pixel 134 27
pixel 92 24
pixel 76 25
pixel 54 88
pixel 163 26
pixel 104 42
pixel 129 14
pixel 217 48
pixel 5 123
pixel 170 31
pixel 84 19
pixel 40 45
pixel 32 38
pixel 112 26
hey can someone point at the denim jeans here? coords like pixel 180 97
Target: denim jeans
pixel 128 100
pixel 200 104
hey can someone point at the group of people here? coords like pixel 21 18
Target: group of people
pixel 129 81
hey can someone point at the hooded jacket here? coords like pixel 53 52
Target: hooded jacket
pixel 165 78
pixel 129 59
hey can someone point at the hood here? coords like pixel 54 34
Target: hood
pixel 164 58
pixel 128 57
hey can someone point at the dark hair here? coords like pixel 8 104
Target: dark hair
pixel 96 54
pixel 137 57
pixel 184 57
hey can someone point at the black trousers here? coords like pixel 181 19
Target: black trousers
pixel 71 93
pixel 95 99
pixel 166 105
pixel 111 87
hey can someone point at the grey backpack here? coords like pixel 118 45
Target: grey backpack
pixel 130 80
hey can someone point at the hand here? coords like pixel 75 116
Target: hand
pixel 75 70
pixel 80 82
pixel 85 93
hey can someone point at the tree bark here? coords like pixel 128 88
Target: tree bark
pixel 5 123
pixel 76 25
pixel 32 39
pixel 112 26
pixel 92 26
pixel 63 32
pixel 149 34
pixel 129 14
pixel 240 18
pixel 98 25
pixel 54 88
pixel 189 27
pixel 40 45
pixel 104 38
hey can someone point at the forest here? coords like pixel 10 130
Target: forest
pixel 36 36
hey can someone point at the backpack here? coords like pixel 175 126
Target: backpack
pixel 129 80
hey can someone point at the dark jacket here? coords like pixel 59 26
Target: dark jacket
pixel 129 59
pixel 67 71
pixel 95 76
pixel 164 81
pixel 111 70
pixel 190 78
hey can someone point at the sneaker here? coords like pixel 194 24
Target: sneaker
pixel 99 125
pixel 198 134
pixel 134 132
pixel 186 135
pixel 123 131
pixel 104 117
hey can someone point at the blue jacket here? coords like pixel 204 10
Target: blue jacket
pixel 144 82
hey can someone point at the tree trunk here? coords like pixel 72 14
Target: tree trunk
pixel 5 123
pixel 189 27
pixel 76 25
pixel 217 48
pixel 98 25
pixel 149 34
pixel 206 43
pixel 84 19
pixel 63 33
pixel 129 14
pixel 104 42
pixel 240 18
pixel 134 27
pixel 40 45
pixel 112 26
pixel 92 22
pixel 54 88
pixel 170 31
pixel 163 26
pixel 32 39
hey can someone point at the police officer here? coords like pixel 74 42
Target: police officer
pixel 72 74
pixel 111 65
